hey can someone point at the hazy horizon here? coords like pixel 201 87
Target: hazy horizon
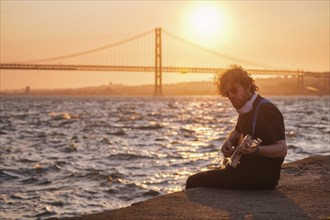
pixel 285 35
pixel 151 83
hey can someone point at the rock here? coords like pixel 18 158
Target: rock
pixel 303 193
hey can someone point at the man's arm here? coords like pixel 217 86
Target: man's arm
pixel 278 149
pixel 231 140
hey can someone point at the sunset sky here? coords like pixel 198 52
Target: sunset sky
pixel 285 34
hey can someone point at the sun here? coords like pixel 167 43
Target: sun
pixel 206 19
pixel 205 23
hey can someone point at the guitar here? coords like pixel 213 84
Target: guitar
pixel 233 161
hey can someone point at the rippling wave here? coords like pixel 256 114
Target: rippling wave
pixel 65 157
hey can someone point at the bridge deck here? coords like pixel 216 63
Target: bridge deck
pixel 13 66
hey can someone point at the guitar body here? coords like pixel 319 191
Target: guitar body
pixel 237 153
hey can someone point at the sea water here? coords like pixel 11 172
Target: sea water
pixel 66 156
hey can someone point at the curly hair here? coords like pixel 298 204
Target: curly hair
pixel 236 74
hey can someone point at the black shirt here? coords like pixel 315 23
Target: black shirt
pixel 269 128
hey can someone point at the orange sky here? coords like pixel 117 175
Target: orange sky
pixel 285 34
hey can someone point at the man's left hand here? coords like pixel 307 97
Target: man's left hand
pixel 246 149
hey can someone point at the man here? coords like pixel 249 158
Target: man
pixel 259 167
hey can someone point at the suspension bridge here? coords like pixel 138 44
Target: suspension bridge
pixel 157 51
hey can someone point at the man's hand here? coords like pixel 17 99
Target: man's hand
pixel 246 147
pixel 227 149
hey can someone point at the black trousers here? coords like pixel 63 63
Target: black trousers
pixel 233 178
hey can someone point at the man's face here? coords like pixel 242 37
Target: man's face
pixel 237 94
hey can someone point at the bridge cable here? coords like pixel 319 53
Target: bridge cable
pixel 214 52
pixel 91 51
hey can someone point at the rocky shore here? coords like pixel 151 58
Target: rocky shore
pixel 303 193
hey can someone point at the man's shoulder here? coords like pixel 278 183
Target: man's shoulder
pixel 269 108
pixel 263 103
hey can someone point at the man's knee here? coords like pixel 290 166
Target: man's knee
pixel 192 181
pixel 189 182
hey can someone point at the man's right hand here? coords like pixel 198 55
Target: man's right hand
pixel 227 149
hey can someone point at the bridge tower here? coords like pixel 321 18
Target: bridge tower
pixel 158 61
pixel 300 86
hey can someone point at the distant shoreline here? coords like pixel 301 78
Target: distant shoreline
pixel 273 86
pixel 21 95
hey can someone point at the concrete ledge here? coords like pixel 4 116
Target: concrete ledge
pixel 303 193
